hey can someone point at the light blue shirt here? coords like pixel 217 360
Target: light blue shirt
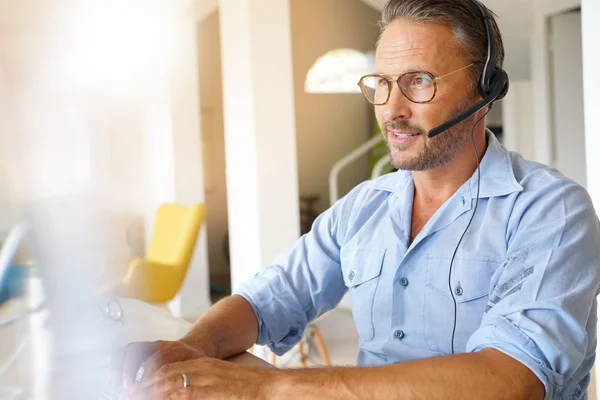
pixel 525 277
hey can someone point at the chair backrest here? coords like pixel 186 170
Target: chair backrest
pixel 174 234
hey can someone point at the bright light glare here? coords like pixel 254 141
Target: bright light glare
pixel 115 45
pixel 87 56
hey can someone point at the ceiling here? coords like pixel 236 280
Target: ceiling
pixel 516 23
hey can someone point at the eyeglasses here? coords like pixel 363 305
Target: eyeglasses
pixel 418 86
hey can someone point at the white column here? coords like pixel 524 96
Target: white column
pixel 173 162
pixel 260 138
pixel 188 175
pixel 591 65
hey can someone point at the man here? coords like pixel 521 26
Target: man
pixel 509 313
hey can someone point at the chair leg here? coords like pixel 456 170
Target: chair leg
pixel 162 306
pixel 321 346
pixel 272 357
pixel 302 355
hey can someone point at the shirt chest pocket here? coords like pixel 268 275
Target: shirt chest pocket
pixel 361 269
pixel 470 283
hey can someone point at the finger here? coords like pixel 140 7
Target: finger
pixel 173 371
pixel 135 355
pixel 159 389
pixel 190 393
pixel 158 360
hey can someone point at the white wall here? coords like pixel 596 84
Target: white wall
pixel 517 110
pixel 495 116
pixel 551 7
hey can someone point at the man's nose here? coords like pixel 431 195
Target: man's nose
pixel 398 106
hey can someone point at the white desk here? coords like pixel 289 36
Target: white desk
pixel 31 372
pixel 144 322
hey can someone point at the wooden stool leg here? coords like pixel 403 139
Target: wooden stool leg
pixel 302 355
pixel 162 306
pixel 321 346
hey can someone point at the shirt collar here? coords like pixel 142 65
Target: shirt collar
pixel 497 175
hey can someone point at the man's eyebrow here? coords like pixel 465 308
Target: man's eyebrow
pixel 417 68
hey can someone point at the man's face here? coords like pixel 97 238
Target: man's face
pixel 430 47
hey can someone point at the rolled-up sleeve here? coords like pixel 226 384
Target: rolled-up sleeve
pixel 542 302
pixel 303 283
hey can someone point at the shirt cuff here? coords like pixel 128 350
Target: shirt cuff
pixel 501 334
pixel 281 318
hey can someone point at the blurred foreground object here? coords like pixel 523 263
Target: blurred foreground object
pixel 12 277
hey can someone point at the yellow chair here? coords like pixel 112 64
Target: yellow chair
pixel 157 278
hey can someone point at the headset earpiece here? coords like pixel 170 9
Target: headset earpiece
pixel 499 83
pixel 492 76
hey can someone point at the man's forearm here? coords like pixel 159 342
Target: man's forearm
pixel 485 375
pixel 228 328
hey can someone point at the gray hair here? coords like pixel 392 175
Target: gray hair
pixel 463 16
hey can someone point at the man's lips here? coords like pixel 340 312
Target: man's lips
pixel 399 138
pixel 403 134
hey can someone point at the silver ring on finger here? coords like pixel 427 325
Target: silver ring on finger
pixel 186 379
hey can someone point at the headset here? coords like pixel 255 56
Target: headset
pixel 493 86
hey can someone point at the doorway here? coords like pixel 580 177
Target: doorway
pixel 566 82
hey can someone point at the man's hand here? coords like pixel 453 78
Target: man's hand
pixel 208 379
pixel 229 328
pixel 153 355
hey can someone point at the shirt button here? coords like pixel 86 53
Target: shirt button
pixel 351 275
pixel 399 335
pixel 459 291
pixel 404 282
pixel 578 393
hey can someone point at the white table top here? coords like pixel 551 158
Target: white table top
pixel 140 322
